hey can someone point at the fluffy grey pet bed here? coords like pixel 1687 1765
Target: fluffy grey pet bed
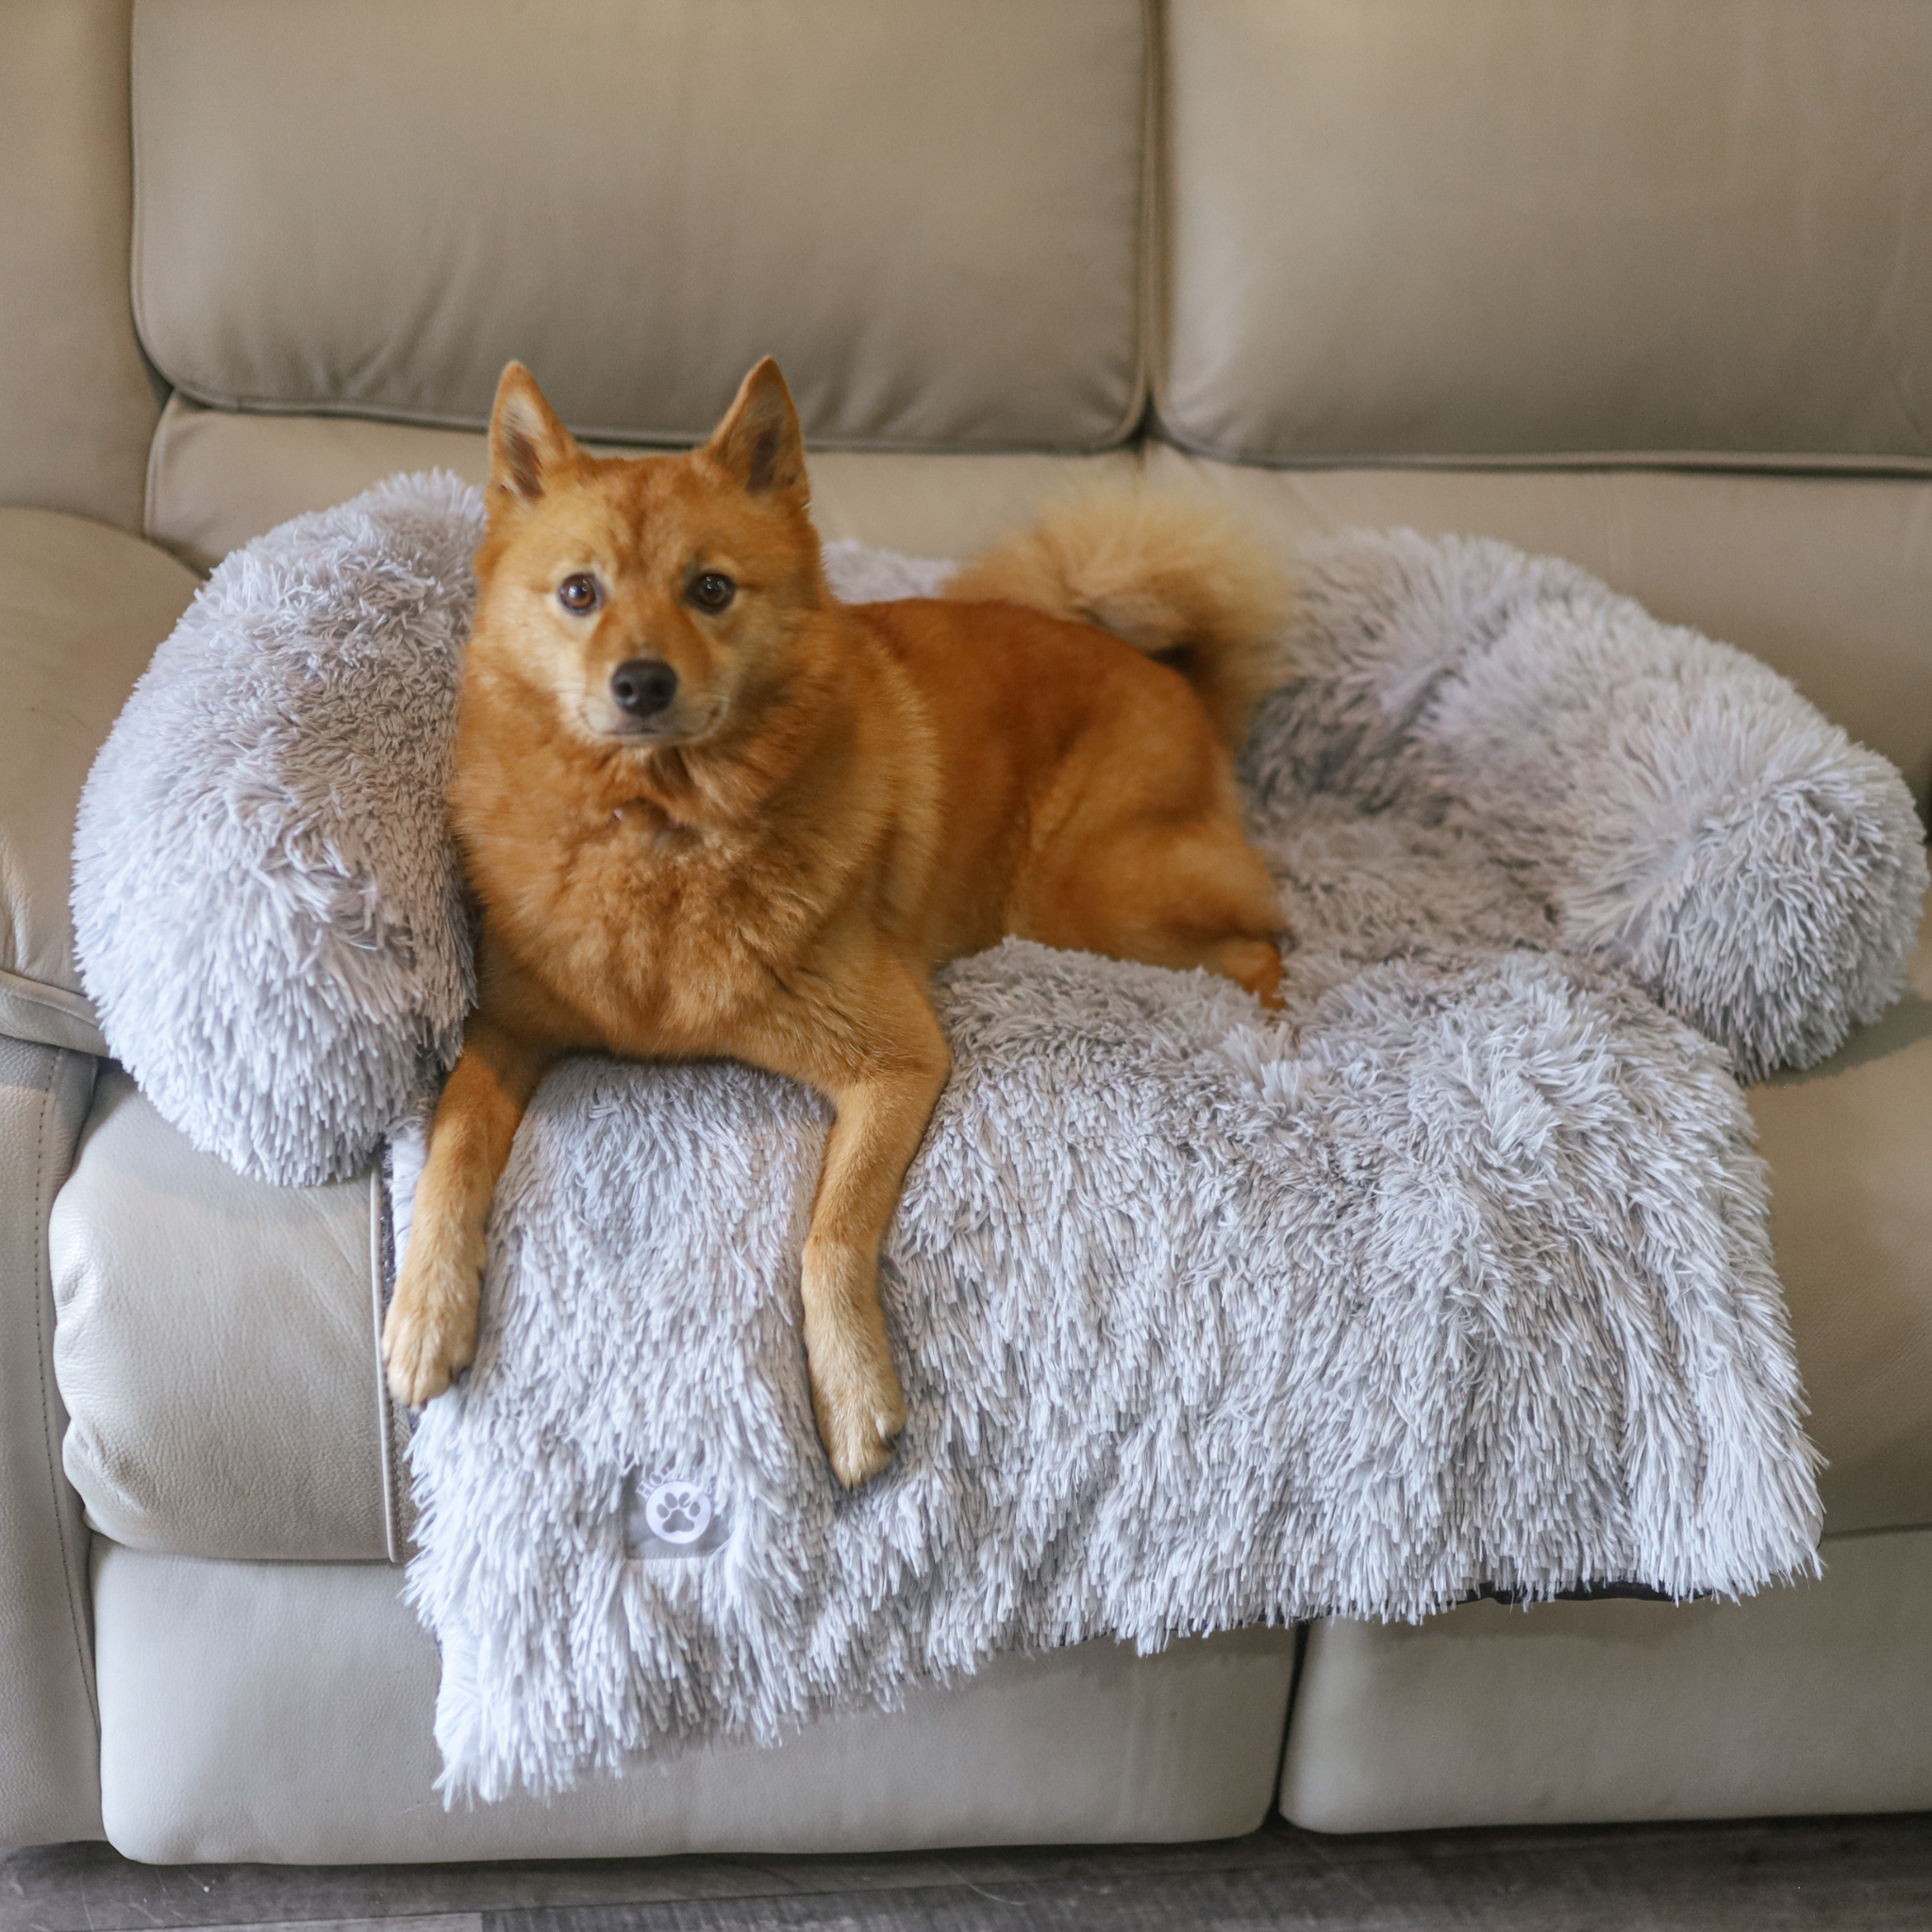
pixel 1457 1276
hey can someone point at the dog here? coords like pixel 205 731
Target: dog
pixel 709 810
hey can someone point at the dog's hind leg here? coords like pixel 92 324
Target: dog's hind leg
pixel 429 1334
pixel 1195 895
pixel 881 1062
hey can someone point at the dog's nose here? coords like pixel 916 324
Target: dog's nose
pixel 643 685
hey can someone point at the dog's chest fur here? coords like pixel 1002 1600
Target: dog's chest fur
pixel 617 922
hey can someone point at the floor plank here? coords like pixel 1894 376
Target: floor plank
pixel 1856 1874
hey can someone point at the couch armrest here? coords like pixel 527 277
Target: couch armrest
pixel 82 609
pixel 49 1737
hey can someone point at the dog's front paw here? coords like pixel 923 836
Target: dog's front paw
pixel 860 1410
pixel 427 1345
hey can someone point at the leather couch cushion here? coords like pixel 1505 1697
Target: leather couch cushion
pixel 930 214
pixel 1501 228
pixel 81 610
pixel 284 1714
pixel 1812 1698
pixel 215 1345
pixel 1850 1147
pixel 77 408
pixel 218 478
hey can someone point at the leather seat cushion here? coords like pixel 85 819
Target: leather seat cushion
pixel 1810 1698
pixel 285 1713
pixel 217 478
pixel 215 1342
pixel 82 608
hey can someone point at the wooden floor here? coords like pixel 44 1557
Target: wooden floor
pixel 1845 1875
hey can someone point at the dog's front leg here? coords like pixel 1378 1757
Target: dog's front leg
pixel 429 1334
pixel 884 1094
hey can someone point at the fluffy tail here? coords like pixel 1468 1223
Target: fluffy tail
pixel 1176 577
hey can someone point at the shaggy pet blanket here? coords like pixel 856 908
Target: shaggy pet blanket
pixel 1453 1276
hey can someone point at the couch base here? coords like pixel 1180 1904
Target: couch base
pixel 47 1732
pixel 281 1713
pixel 1816 1698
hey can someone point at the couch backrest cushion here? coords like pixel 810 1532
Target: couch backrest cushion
pixel 76 407
pixel 931 213
pixel 1512 228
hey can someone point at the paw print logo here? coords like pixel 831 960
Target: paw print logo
pixel 677 1513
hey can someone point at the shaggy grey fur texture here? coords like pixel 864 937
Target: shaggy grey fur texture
pixel 269 921
pixel 1459 1278
pixel 1675 805
pixel 267 907
pixel 1455 1275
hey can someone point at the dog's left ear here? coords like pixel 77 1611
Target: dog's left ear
pixel 759 441
pixel 527 442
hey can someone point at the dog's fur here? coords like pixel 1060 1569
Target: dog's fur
pixel 836 800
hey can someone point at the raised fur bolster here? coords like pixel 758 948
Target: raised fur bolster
pixel 1683 811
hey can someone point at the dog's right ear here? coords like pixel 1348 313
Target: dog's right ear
pixel 527 442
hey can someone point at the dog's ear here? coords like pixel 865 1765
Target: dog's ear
pixel 759 441
pixel 527 442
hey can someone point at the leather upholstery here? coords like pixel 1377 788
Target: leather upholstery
pixel 1502 228
pixel 1811 1698
pixel 81 610
pixel 76 407
pixel 284 1713
pixel 218 479
pixel 47 1724
pixel 217 1349
pixel 1850 1146
pixel 932 215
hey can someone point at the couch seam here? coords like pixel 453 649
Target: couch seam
pixel 57 999
pixel 1150 227
pixel 43 1290
pixel 226 404
pixel 1834 465
pixel 385 1414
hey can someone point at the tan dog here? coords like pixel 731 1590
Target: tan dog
pixel 709 810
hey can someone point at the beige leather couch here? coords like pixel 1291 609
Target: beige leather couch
pixel 1644 282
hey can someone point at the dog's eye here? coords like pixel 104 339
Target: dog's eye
pixel 712 589
pixel 578 591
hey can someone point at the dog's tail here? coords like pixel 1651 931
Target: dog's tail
pixel 1175 577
